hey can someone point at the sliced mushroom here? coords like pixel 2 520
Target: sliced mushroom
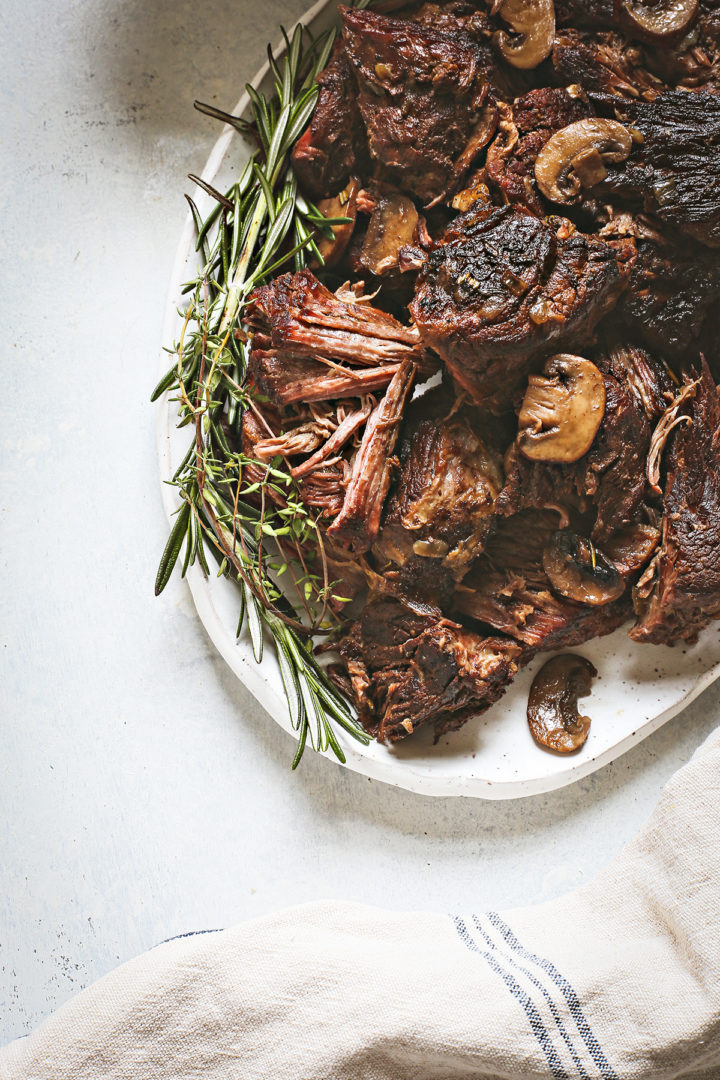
pixel 576 156
pixel 631 547
pixel 342 205
pixel 562 410
pixel 533 23
pixel 552 709
pixel 658 21
pixel 580 571
pixel 393 225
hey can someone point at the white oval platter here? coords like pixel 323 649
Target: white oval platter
pixel 639 688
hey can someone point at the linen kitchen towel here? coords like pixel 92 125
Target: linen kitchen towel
pixel 619 980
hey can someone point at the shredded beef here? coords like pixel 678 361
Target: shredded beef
pixel 506 288
pixel 684 586
pixel 410 666
pixel 296 316
pixel 357 525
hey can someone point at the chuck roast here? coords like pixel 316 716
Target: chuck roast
pixel 333 145
pixel 409 666
pixel 608 481
pixel 504 289
pixel 680 594
pixel 524 130
pixel 508 590
pixel 420 90
pixel 441 510
pixel 674 168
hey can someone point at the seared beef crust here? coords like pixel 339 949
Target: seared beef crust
pixel 674 171
pixel 333 145
pixel 506 289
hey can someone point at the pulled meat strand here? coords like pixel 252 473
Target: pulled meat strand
pixel 343 432
pixel 358 523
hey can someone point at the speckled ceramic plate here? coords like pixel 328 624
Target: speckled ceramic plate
pixel 639 687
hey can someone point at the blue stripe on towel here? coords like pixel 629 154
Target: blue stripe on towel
pixel 551 1004
pixel 188 933
pixel 573 1002
pixel 536 1025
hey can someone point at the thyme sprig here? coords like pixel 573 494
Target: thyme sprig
pixel 248 514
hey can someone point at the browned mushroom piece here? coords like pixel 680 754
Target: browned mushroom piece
pixel 532 22
pixel 393 226
pixel 575 157
pixel 342 205
pixel 631 547
pixel 580 571
pixel 552 709
pixel 562 410
pixel 658 21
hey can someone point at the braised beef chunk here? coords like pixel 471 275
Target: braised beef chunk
pixel 410 666
pixel 508 590
pixel 441 510
pixel 672 290
pixel 605 63
pixel 505 288
pixel 680 594
pixel 524 130
pixel 608 482
pixel 358 523
pixel 644 377
pixel 419 91
pixel 295 316
pixel 504 81
pixel 305 335
pixel 674 170
pixel 333 145
pixel 587 13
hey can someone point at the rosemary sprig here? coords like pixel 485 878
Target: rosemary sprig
pixel 249 514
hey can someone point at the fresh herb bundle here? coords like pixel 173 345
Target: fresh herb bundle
pixel 248 514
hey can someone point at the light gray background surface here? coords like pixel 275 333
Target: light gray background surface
pixel 143 793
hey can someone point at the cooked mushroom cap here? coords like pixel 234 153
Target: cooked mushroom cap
pixel 659 21
pixel 552 710
pixel 576 156
pixel 393 225
pixel 562 410
pixel 339 206
pixel 580 571
pixel 534 22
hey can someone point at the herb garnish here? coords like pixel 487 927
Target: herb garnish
pixel 249 513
